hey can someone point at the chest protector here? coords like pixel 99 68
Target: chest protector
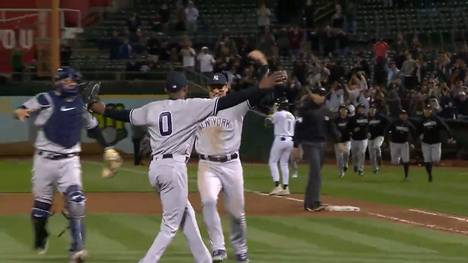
pixel 64 125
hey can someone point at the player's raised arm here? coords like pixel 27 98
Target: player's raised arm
pixel 35 103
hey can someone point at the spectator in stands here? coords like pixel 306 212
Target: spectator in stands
pixel 224 57
pixel 263 17
pixel 381 49
pixel 400 44
pixel 206 61
pixel 248 78
pixel 138 42
pixel 462 105
pixel 408 72
pixel 164 13
pixel 125 50
pixel 226 41
pixel 133 23
pixel 393 73
pixel 327 39
pixel 443 66
pixel 393 100
pixel 459 71
pixel 114 45
pixel 350 14
pixel 295 41
pixel 338 18
pixel 188 54
pixel 457 88
pixel 180 19
pixel 336 97
pixel 300 70
pixel 416 46
pixel 191 17
pixel 447 104
pixel 309 15
pixel 245 46
pixel 282 39
pixel 266 42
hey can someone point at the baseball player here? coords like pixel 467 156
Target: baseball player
pixel 219 169
pixel 359 127
pixel 377 126
pixel 60 115
pixel 284 123
pixel 343 146
pixel 430 129
pixel 172 125
pixel 400 132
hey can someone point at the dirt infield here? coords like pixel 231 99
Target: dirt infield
pixel 256 204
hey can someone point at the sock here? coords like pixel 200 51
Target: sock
pixel 276 183
pixel 285 186
pixel 406 168
pixel 429 170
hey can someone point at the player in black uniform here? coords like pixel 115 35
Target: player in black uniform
pixel 430 130
pixel 377 125
pixel 343 146
pixel 399 133
pixel 359 127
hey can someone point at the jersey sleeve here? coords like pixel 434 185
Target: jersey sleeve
pixel 89 120
pixel 37 102
pixel 140 116
pixel 202 107
pixel 274 118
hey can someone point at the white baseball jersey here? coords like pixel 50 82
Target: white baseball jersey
pixel 43 108
pixel 284 122
pixel 172 123
pixel 222 134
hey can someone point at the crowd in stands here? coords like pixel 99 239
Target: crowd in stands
pixel 392 73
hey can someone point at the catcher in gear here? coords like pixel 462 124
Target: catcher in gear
pixel 60 114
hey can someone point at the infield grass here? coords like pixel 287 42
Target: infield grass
pixel 125 238
pixel 448 193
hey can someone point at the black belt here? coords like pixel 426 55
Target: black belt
pixel 220 159
pixel 56 156
pixel 169 156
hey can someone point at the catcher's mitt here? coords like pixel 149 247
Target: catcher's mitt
pixel 90 91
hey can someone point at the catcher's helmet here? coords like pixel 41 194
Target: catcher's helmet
pixel 67 88
pixel 67 72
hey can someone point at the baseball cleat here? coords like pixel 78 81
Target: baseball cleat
pixel 360 172
pixel 284 192
pixel 376 171
pixel 42 249
pixel 355 169
pixel 341 174
pixel 219 255
pixel 295 175
pixel 276 190
pixel 242 258
pixel 345 168
pixel 78 256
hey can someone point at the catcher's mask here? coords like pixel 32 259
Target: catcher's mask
pixel 66 81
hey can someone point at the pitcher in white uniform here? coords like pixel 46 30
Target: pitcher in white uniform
pixel 284 123
pixel 220 170
pixel 172 126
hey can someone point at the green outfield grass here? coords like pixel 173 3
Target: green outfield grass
pixel 125 238
pixel 448 193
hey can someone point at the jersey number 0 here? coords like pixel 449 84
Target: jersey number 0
pixel 165 123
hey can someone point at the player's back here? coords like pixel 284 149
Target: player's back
pixel 172 123
pixel 284 122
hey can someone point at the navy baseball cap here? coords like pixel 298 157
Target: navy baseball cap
pixel 175 81
pixel 218 79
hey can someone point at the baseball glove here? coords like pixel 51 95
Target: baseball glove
pixel 112 162
pixel 90 91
